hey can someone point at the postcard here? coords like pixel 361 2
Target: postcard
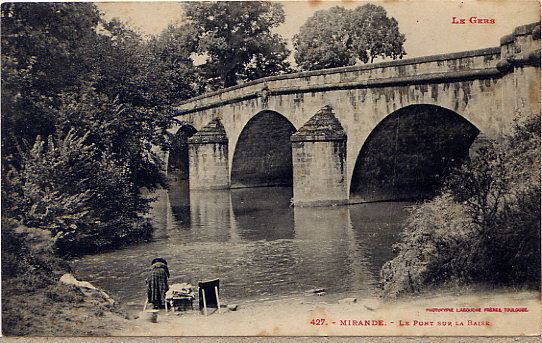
pixel 271 168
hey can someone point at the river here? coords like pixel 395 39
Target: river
pixel 259 246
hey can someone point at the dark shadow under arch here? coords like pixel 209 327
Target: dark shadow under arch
pixel 178 167
pixel 263 154
pixel 409 153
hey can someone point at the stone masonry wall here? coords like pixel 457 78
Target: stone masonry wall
pixel 209 166
pixel 319 173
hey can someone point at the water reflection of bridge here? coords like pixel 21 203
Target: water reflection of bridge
pixel 343 246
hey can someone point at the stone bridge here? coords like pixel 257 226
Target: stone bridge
pixel 382 131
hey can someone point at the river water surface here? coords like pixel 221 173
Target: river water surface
pixel 259 247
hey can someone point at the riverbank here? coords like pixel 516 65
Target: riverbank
pixel 65 308
pixel 500 313
pixel 78 309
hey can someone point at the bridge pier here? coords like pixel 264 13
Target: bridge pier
pixel 319 161
pixel 208 156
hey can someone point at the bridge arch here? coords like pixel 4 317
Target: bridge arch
pixel 409 152
pixel 263 153
pixel 177 157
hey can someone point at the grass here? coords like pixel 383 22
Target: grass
pixel 34 307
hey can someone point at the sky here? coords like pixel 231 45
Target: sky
pixel 427 24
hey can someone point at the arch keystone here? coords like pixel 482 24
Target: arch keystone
pixel 319 161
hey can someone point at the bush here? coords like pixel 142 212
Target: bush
pixel 484 227
pixel 82 196
pixel 428 251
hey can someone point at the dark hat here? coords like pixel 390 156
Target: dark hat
pixel 159 259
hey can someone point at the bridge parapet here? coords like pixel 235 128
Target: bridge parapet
pixel 520 65
pixel 519 48
pixel 475 64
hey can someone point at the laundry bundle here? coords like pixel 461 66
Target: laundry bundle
pixel 180 290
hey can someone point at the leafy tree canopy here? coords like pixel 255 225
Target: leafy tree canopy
pixel 339 37
pixel 169 71
pixel 83 104
pixel 63 64
pixel 41 55
pixel 236 40
pixel 324 41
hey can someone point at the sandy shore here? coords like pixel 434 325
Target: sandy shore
pixel 495 313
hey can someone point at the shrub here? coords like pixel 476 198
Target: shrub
pixel 484 227
pixel 82 196
pixel 28 251
pixel 428 251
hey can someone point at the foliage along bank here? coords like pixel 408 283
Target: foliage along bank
pixel 79 115
pixel 83 102
pixel 483 228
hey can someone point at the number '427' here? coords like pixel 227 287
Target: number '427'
pixel 318 321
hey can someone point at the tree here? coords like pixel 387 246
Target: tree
pixel 67 74
pixel 375 35
pixel 236 40
pixel 63 62
pixel 338 37
pixel 169 72
pixel 324 41
pixel 41 55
